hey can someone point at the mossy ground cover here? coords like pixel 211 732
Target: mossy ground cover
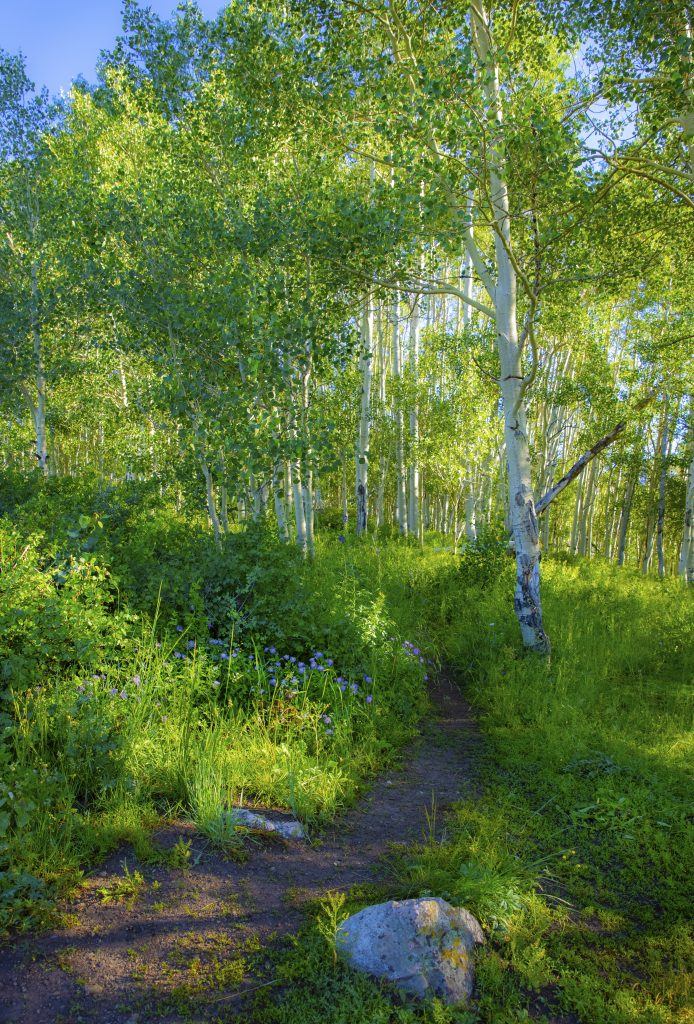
pixel 578 855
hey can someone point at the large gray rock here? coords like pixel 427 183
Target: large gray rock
pixel 422 946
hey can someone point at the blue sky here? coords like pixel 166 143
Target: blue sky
pixel 61 39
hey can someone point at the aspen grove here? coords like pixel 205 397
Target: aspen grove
pixel 414 268
pixel 347 442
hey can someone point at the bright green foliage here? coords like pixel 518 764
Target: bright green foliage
pixel 106 714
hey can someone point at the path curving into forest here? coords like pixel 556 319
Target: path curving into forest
pixel 128 965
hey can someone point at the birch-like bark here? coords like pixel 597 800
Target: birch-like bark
pixel 362 466
pixel 584 530
pixel 299 513
pixel 379 510
pixel 413 474
pixel 624 520
pixel 664 442
pixel 470 525
pixel 209 494
pixel 309 520
pixel 686 562
pixel 280 508
pixel 524 524
pixel 39 409
pixel 467 266
pixel 345 503
pixel 400 476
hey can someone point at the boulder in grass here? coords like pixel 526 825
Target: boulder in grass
pixel 422 946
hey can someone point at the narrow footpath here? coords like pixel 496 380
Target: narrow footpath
pixel 125 964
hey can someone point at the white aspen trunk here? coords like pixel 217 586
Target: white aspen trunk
pixel 524 523
pixel 648 546
pixel 299 514
pixel 280 508
pixel 400 476
pixel 362 463
pixel 381 492
pixel 307 499
pixel 573 544
pixel 413 473
pixel 624 520
pixel 224 508
pixel 287 486
pixel 470 525
pixel 609 514
pixel 686 562
pixel 345 504
pixel 255 496
pixel 39 409
pixel 382 460
pixel 661 491
pixel 466 269
pixel 211 506
pixel 652 518
pixel 583 546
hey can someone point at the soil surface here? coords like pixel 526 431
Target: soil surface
pixel 191 945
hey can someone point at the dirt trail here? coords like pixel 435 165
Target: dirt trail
pixel 128 965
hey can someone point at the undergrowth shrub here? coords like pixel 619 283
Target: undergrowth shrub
pixel 146 672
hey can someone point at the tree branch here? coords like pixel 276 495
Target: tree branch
pixel 587 457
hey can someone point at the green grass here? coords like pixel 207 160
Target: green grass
pixel 578 857
pixel 156 720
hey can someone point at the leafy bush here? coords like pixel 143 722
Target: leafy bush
pixel 54 614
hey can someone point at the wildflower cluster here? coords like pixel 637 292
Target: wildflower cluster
pixel 309 692
pixel 414 652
